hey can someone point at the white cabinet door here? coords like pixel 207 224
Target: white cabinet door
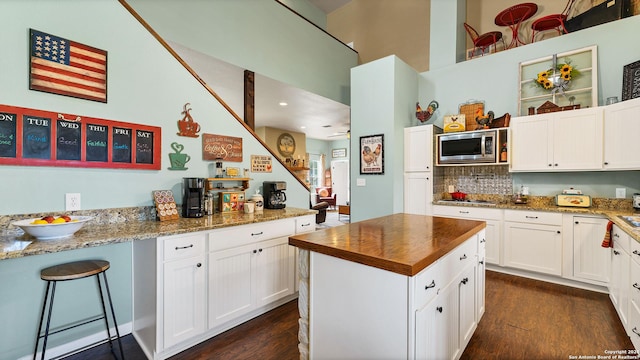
pixel 492 241
pixel 184 299
pixel 231 283
pixel 418 193
pixel 467 307
pixel 274 270
pixel 533 247
pixel 620 131
pixel 481 278
pixel 418 148
pixel 590 260
pixel 437 327
pixel 577 139
pixel 633 325
pixel 531 143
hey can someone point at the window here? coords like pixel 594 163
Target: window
pixel 315 171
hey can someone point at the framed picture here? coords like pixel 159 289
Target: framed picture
pixel 372 154
pixel 631 81
pixel 338 153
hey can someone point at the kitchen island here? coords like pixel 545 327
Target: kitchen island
pixel 399 286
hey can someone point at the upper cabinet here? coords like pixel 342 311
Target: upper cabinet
pixel 418 148
pixel 621 129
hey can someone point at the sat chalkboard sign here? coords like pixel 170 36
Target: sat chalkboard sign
pixel 46 138
pixel 631 81
pixel 8 126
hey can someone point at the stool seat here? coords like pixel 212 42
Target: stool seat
pixel 74 270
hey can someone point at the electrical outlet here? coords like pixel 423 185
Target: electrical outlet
pixel 72 202
pixel 361 182
pixel 621 193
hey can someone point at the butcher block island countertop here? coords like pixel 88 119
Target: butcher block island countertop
pixel 402 243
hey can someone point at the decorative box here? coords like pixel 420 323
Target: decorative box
pixel 231 201
pixel 453 123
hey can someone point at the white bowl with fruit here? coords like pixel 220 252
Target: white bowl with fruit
pixel 52 227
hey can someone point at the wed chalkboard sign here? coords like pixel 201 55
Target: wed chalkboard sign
pixel 44 138
pixel 8 126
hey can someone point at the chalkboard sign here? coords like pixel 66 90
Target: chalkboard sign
pixel 8 125
pixel 121 151
pixel 68 140
pixel 97 148
pixel 32 137
pixel 144 147
pixel 36 137
pixel 631 81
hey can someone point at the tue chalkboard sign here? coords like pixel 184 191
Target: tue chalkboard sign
pixel 44 138
pixel 97 142
pixel 68 140
pixel 8 126
pixel 36 137
pixel 121 151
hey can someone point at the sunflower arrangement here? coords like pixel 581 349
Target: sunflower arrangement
pixel 560 76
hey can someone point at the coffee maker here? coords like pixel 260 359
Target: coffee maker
pixel 274 196
pixel 192 197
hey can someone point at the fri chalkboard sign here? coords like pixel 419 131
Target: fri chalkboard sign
pixel 46 138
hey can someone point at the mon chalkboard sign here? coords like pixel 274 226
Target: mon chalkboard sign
pixel 46 138
pixel 8 126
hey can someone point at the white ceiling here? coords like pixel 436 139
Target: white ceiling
pixel 324 119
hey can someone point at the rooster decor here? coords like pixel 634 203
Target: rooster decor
pixel 426 115
pixel 371 157
pixel 482 120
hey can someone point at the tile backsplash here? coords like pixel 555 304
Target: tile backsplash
pixel 494 179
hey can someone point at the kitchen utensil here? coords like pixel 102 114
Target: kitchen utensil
pixel 52 230
pixel 458 195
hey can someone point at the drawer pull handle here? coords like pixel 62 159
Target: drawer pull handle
pixel 439 309
pixel 307 224
pixel 255 251
pixel 616 235
pixel 184 247
pixel 483 240
pixel 464 256
pixel 465 281
pixel 256 234
pixel 635 331
pixel 636 252
pixel 531 217
pixel 481 262
pixel 199 264
pixel 432 285
pixel 616 252
pixel 464 212
pixel 636 286
pixel 259 250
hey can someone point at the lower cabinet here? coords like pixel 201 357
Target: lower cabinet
pixel 620 284
pixel 591 262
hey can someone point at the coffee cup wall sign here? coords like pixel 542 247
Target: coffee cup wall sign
pixel 178 159
pixel 186 126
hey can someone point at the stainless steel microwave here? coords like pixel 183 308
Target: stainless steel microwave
pixel 467 147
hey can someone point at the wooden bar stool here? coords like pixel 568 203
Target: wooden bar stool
pixel 72 271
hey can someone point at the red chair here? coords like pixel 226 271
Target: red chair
pixel 485 40
pixel 551 22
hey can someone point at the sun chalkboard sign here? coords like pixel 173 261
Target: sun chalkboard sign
pixel 34 137
pixel 8 126
pixel 97 142
pixel 68 140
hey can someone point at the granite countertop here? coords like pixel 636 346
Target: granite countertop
pixel 15 244
pixel 402 243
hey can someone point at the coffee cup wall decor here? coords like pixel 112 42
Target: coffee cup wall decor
pixel 178 159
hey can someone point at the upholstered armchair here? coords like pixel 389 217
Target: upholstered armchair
pixel 324 194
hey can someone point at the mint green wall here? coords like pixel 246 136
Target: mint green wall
pixel 494 80
pixel 382 102
pixel 258 35
pixel 146 85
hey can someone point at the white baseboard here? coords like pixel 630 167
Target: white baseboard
pixel 548 278
pixel 81 344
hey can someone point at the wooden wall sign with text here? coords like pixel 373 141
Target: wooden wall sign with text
pixel 45 138
pixel 227 148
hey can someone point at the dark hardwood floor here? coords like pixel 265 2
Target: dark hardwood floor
pixel 524 319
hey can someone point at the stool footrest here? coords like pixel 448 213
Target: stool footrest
pixel 68 327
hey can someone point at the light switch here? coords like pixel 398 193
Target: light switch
pixel 621 193
pixel 361 182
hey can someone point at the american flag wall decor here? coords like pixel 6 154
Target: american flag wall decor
pixel 65 67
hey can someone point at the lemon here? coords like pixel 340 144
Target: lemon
pixel 58 221
pixel 39 222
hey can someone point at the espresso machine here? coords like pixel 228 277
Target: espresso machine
pixel 192 197
pixel 274 196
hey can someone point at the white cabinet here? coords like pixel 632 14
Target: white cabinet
pixel 559 141
pixel 184 287
pixel 493 231
pixel 418 193
pixel 418 148
pixel 533 241
pixel 481 275
pixel 621 129
pixel 591 262
pixel 437 331
pixel 633 288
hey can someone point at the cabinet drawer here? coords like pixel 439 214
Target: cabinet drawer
pixel 621 238
pixel 247 234
pixel 428 284
pixel 459 258
pixel 183 246
pixel 305 224
pixel 635 249
pixel 533 217
pixel 467 212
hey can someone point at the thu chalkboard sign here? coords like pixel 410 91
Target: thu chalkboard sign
pixel 45 138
